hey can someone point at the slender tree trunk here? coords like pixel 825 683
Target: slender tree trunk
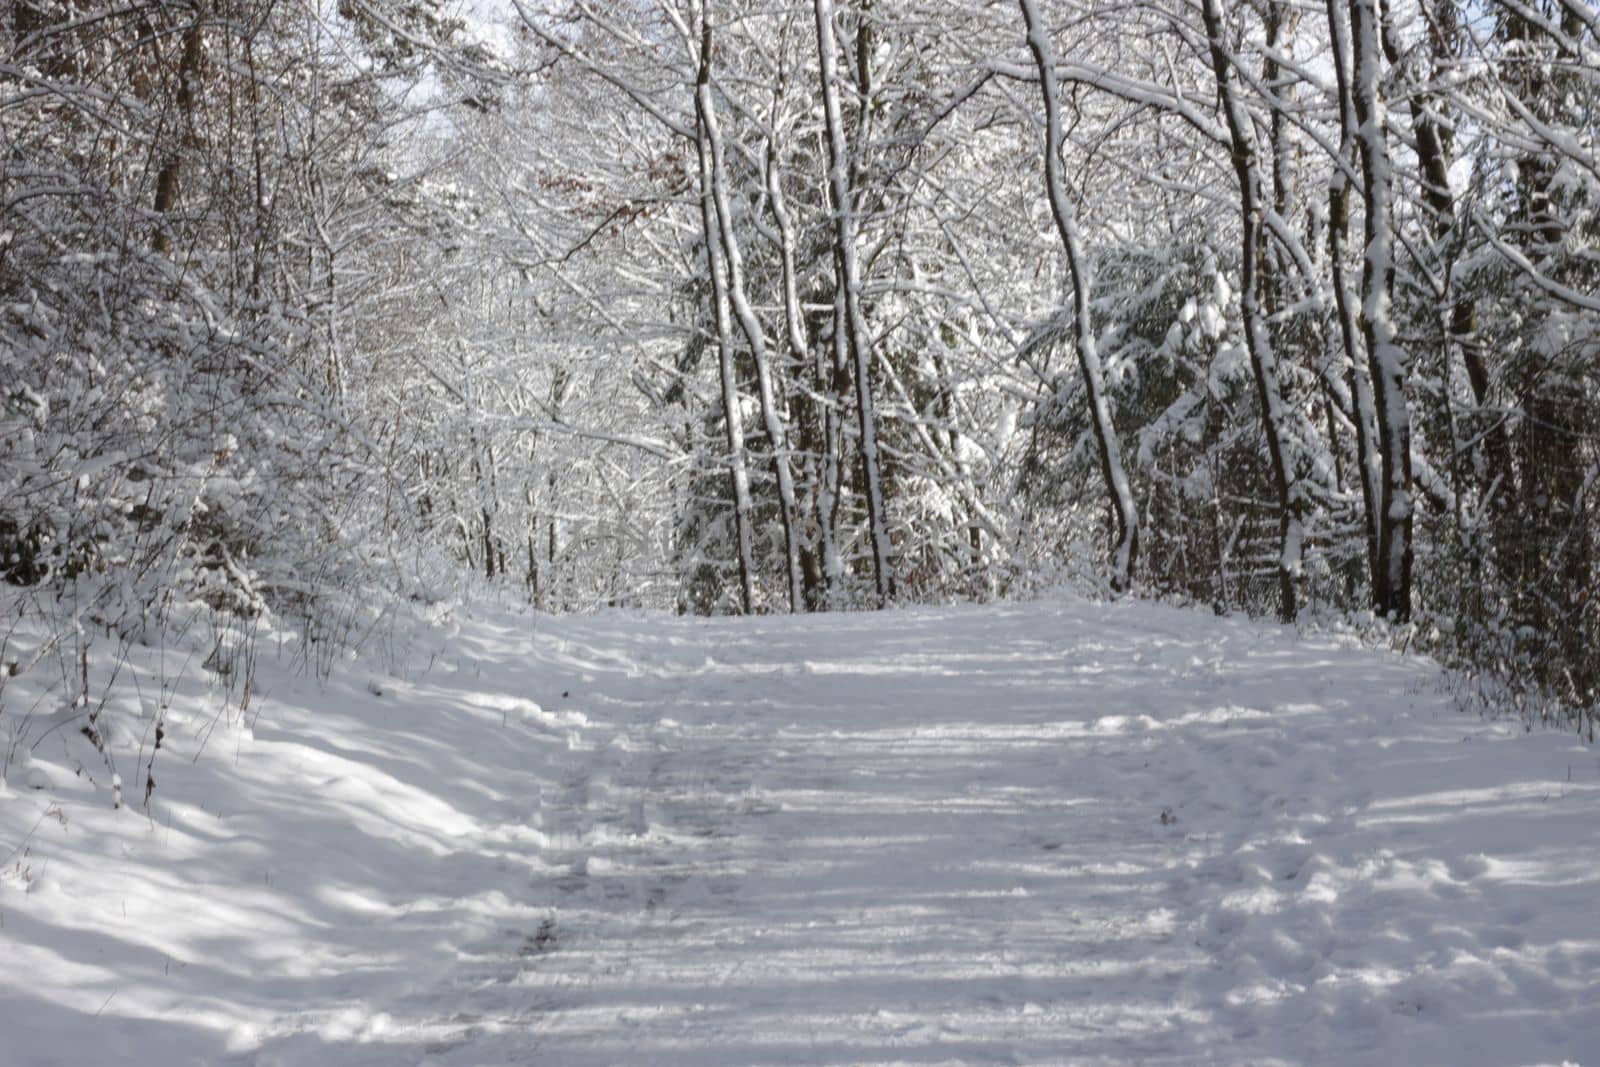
pixel 1283 21
pixel 981 583
pixel 822 572
pixel 1434 159
pixel 1263 358
pixel 1126 541
pixel 738 474
pixel 749 325
pixel 849 282
pixel 1385 360
pixel 1369 459
pixel 169 177
pixel 833 369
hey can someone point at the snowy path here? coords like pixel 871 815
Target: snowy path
pixel 1044 834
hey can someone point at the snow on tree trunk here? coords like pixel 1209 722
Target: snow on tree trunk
pixel 800 347
pixel 1369 459
pixel 749 325
pixel 1126 547
pixel 1458 311
pixel 849 281
pixel 1263 358
pixel 738 473
pixel 1385 359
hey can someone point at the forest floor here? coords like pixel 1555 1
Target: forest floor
pixel 1054 833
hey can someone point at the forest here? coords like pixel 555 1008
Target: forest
pixel 738 306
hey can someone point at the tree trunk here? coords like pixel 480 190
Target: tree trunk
pixel 1369 461
pixel 1434 159
pixel 1385 360
pixel 819 556
pixel 1263 358
pixel 849 282
pixel 1126 540
pixel 168 178
pixel 749 325
pixel 738 474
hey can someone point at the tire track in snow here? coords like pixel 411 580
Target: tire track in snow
pixel 846 872
pixel 1040 835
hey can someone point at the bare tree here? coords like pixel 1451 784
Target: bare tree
pixel 1126 536
pixel 1385 358
pixel 1263 357
pixel 848 279
pixel 749 324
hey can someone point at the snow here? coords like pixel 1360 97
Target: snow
pixel 1051 833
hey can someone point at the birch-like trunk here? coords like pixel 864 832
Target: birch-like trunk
pixel 849 282
pixel 1263 358
pixel 1126 547
pixel 738 472
pixel 749 325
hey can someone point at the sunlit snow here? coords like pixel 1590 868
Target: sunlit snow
pixel 1058 833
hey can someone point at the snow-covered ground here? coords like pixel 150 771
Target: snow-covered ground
pixel 1052 833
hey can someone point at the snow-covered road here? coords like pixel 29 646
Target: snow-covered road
pixel 1045 834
